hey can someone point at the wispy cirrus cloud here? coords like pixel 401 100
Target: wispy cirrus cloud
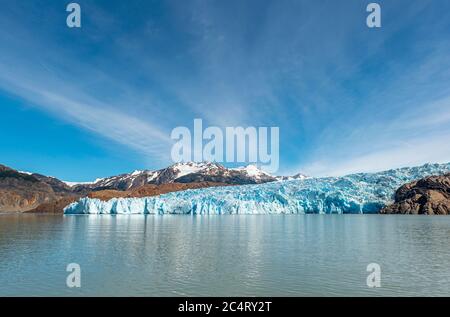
pixel 344 96
pixel 86 112
pixel 51 78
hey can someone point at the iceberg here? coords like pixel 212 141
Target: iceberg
pixel 354 194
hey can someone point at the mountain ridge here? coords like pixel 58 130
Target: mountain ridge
pixel 189 172
pixel 25 191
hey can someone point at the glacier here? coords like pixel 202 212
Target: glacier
pixel 354 194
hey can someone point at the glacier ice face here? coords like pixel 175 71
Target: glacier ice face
pixel 357 193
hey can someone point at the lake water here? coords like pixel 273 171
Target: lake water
pixel 276 255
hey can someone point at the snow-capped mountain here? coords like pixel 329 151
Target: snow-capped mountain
pixel 356 193
pixel 252 171
pixel 182 173
pixel 289 178
pixel 219 174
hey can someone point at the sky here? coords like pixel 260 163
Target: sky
pixel 90 102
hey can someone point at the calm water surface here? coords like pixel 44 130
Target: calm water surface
pixel 299 255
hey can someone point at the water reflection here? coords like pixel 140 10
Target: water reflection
pixel 224 255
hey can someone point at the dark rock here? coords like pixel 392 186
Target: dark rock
pixel 430 196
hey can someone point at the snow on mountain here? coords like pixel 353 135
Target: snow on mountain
pixel 125 181
pixel 289 178
pixel 73 184
pixel 26 173
pixel 184 169
pixel 357 193
pixel 181 173
pixel 252 171
pixel 213 172
pixel 136 173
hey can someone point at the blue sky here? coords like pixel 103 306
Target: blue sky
pixel 101 100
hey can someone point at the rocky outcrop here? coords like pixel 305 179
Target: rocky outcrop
pixel 430 196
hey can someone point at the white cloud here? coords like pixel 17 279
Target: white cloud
pixel 74 106
pixel 416 152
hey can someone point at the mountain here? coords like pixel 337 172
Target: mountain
pixel 356 193
pixel 290 178
pixel 181 173
pixel 428 196
pixel 20 191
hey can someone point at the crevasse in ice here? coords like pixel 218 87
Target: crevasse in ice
pixel 357 193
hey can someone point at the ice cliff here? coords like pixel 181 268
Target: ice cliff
pixel 357 193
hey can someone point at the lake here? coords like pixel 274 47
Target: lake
pixel 266 255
